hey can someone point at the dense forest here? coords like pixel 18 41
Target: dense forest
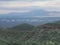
pixel 27 34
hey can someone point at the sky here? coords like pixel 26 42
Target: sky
pixel 22 6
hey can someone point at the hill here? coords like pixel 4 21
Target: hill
pixel 45 35
pixel 23 26
pixel 39 35
pixel 52 25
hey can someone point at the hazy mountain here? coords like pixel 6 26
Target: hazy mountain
pixel 9 22
pixel 13 19
pixel 36 12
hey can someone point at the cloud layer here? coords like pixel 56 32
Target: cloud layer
pixel 44 4
pixel 22 0
pixel 10 6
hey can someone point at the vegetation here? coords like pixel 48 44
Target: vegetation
pixel 26 34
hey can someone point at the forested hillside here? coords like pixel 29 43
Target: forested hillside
pixel 26 34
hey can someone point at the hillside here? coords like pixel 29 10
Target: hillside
pixel 52 25
pixel 39 35
pixel 23 27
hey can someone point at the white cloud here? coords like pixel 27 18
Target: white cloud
pixel 13 11
pixel 15 4
pixel 12 6
pixel 46 16
pixel 22 0
pixel 54 3
pixel 51 5
pixel 44 4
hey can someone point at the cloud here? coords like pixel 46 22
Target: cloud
pixel 54 3
pixel 13 11
pixel 14 4
pixel 9 5
pixel 44 4
pixel 46 16
pixel 22 0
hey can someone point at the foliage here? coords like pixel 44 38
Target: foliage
pixel 36 35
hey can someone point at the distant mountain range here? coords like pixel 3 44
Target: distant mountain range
pixel 10 22
pixel 33 13
pixel 36 12
pixel 32 17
